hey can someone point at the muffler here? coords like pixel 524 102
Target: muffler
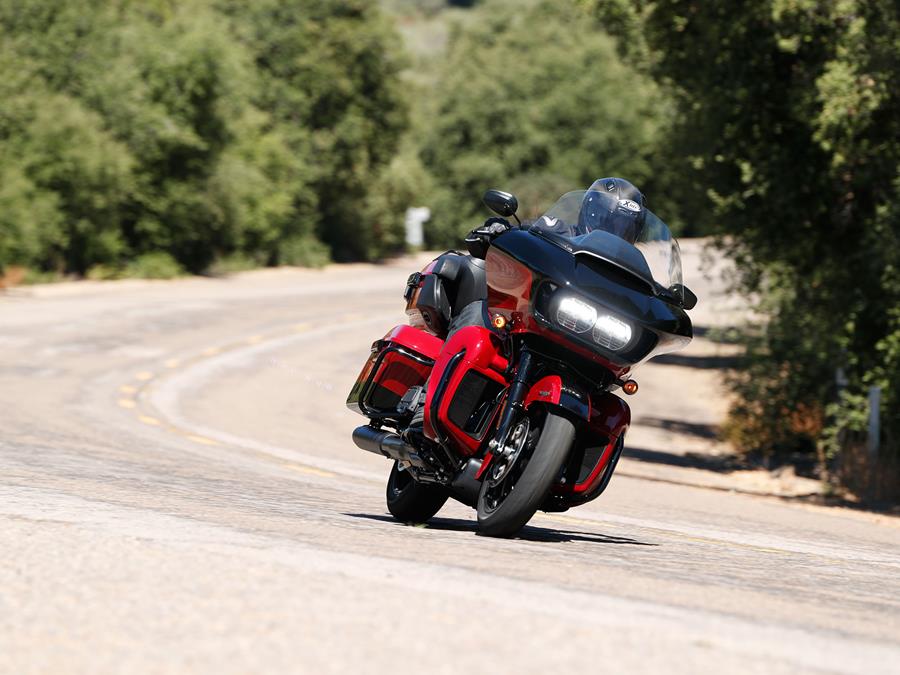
pixel 386 443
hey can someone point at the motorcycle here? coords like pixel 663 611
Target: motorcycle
pixel 521 412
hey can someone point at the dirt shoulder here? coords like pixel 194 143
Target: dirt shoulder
pixel 683 401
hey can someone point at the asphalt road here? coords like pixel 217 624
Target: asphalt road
pixel 179 493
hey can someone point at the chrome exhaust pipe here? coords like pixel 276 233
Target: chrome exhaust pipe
pixel 386 443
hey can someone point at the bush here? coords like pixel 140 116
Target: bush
pixel 202 130
pixel 304 252
pixel 534 98
pixel 158 265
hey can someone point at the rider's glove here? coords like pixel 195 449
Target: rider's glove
pixel 494 226
pixel 479 240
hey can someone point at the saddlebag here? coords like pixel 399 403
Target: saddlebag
pixel 402 359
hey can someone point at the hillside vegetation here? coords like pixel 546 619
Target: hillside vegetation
pixel 789 119
pixel 193 131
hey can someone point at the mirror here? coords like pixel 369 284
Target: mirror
pixel 502 203
pixel 690 300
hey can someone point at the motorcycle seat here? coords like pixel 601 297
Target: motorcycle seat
pixel 464 279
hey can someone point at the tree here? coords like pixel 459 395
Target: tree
pixel 533 99
pixel 201 129
pixel 329 76
pixel 790 112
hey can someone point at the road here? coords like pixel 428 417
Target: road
pixel 179 493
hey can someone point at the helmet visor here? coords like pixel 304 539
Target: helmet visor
pixel 603 211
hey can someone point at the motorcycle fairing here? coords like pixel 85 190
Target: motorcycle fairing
pixel 608 423
pixel 521 268
pixel 551 390
pixel 470 365
pixel 603 419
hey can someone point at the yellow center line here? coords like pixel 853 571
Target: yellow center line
pixel 301 468
pixel 203 440
pixel 146 375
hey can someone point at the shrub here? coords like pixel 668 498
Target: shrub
pixel 156 265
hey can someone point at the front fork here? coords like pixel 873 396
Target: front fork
pixel 515 399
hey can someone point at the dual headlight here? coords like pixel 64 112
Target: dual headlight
pixel 580 317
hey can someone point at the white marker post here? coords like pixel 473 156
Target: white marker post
pixel 416 217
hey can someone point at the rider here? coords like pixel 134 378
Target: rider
pixel 610 204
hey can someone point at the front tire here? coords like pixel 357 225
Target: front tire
pixel 506 504
pixel 410 501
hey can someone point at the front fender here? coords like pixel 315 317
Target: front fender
pixel 604 414
pixel 602 419
pixel 566 396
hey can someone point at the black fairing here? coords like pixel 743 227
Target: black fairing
pixel 610 249
pixel 660 322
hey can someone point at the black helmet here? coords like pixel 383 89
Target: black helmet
pixel 613 205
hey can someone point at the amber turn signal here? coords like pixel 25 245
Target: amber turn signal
pixel 630 387
pixel 499 321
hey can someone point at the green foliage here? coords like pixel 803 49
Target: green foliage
pixel 156 265
pixel 403 183
pixel 330 76
pixel 533 98
pixel 235 262
pixel 303 251
pixel 790 113
pixel 201 129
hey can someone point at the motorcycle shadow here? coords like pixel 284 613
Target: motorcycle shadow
pixel 533 533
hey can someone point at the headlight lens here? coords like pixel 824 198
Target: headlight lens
pixel 611 333
pixel 580 317
pixel 575 315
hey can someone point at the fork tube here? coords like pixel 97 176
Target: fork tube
pixel 517 390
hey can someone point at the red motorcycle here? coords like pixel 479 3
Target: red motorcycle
pixel 520 411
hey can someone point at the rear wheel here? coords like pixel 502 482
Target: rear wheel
pixel 518 482
pixel 410 501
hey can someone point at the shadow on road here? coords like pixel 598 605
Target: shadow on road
pixel 703 362
pixel 717 463
pixel 708 431
pixel 528 533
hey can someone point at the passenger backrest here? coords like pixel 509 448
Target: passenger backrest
pixel 464 279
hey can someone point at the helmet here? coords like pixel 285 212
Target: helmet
pixel 613 205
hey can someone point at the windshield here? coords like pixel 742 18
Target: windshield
pixel 621 232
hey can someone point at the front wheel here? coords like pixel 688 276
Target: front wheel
pixel 517 483
pixel 410 501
